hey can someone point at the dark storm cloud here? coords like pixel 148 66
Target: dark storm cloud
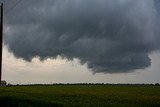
pixel 109 36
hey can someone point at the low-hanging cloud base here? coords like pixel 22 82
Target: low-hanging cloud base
pixel 111 37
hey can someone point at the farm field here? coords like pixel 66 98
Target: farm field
pixel 80 95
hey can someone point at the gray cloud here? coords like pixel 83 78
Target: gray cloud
pixel 109 36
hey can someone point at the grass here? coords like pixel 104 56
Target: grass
pixel 80 95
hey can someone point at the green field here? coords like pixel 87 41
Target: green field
pixel 80 95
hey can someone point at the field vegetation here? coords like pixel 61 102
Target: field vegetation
pixel 80 95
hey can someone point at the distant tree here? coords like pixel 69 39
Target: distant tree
pixel 156 84
pixel 3 83
pixel 9 84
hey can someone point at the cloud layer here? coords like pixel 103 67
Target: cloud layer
pixel 109 36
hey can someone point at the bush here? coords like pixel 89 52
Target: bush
pixel 156 84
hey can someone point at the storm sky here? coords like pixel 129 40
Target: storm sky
pixel 104 36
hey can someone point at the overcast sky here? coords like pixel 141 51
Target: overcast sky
pixel 72 41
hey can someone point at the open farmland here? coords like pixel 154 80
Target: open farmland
pixel 81 95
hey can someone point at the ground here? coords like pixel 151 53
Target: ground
pixel 80 95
